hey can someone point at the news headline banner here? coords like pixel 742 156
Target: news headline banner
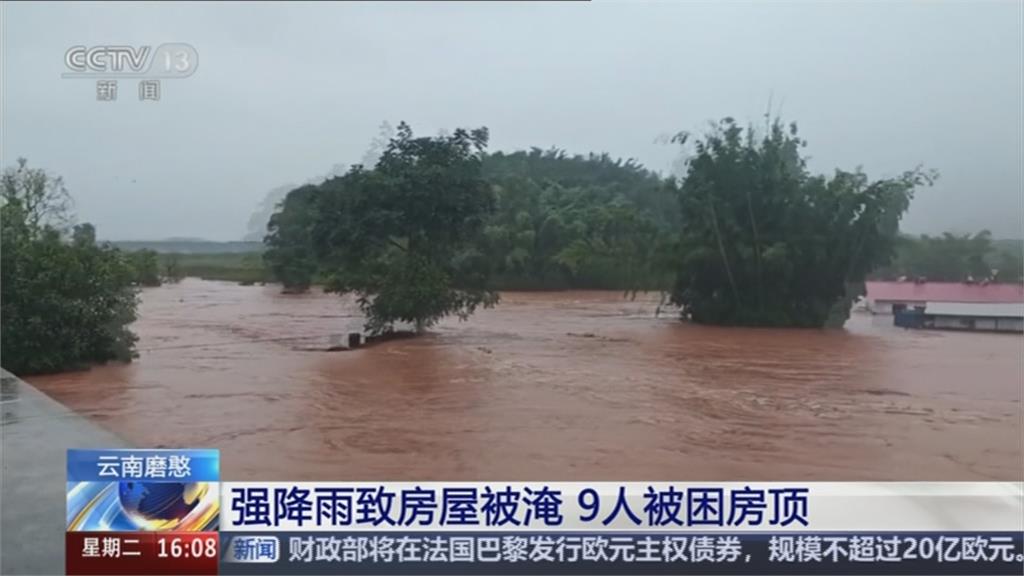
pixel 632 553
pixel 647 507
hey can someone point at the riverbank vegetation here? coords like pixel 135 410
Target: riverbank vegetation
pixel 66 300
pixel 746 236
pixel 241 267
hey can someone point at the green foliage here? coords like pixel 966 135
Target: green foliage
pixel 747 237
pixel 1008 262
pixel 578 221
pixel 765 243
pixel 83 235
pixel 243 267
pixel 43 199
pixel 403 235
pixel 955 258
pixel 145 269
pixel 65 304
pixel 559 222
pixel 289 254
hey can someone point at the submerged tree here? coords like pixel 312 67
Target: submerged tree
pixel 403 237
pixel 765 243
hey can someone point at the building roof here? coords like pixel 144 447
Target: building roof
pixel 944 292
pixel 990 310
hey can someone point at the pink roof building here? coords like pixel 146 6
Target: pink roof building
pixel 882 295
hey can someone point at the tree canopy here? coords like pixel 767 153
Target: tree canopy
pixel 763 242
pixel 747 235
pixel 577 221
pixel 956 258
pixel 289 242
pixel 66 302
pixel 404 235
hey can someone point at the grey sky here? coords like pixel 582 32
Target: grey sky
pixel 284 91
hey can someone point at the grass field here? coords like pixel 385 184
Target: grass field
pixel 243 267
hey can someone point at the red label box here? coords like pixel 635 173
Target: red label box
pixel 142 553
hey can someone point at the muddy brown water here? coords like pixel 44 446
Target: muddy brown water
pixel 554 386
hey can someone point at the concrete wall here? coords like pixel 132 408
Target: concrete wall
pixel 35 434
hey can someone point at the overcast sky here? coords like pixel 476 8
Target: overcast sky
pixel 284 91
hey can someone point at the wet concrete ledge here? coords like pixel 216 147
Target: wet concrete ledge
pixel 35 433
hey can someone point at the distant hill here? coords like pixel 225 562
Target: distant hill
pixel 189 246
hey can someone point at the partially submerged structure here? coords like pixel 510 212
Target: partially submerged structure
pixel 998 317
pixel 890 297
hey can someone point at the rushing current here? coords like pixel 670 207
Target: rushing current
pixel 553 386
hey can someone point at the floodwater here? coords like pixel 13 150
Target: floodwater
pixel 554 386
